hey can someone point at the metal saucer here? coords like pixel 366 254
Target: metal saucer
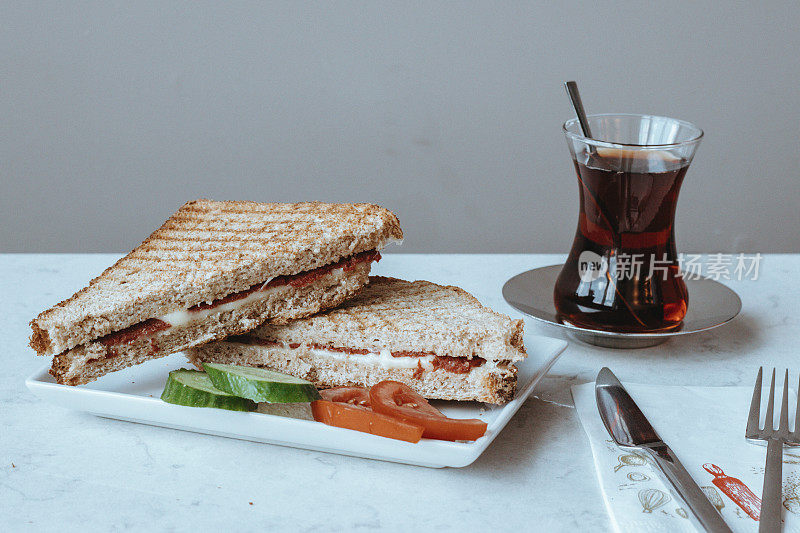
pixel 711 304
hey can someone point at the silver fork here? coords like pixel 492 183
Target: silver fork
pixel 771 497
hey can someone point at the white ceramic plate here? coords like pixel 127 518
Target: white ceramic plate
pixel 133 395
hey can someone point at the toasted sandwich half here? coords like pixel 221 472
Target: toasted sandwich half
pixel 439 340
pixel 213 269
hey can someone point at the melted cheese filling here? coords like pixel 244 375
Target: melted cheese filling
pixel 183 317
pixel 384 359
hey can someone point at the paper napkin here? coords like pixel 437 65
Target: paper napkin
pixel 704 426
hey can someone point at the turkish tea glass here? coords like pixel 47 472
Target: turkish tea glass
pixel 623 273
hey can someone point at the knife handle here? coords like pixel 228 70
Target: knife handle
pixel 702 509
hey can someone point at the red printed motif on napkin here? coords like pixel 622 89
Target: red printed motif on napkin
pixel 735 490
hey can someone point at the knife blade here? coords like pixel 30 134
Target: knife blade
pixel 629 428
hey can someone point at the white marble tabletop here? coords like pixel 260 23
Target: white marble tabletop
pixel 62 470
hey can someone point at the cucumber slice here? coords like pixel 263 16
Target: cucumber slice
pixel 193 389
pixel 259 384
pixel 301 411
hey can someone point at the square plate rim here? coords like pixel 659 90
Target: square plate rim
pixel 461 453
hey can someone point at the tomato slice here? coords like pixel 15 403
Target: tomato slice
pixel 363 419
pixel 396 399
pixel 351 395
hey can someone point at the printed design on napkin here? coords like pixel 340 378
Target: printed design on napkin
pixel 791 485
pixel 736 490
pixel 791 458
pixel 714 497
pixel 791 494
pixel 631 459
pixel 714 437
pixel 637 476
pixel 652 499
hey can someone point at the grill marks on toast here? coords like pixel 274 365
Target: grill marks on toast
pixel 205 251
pixel 421 316
pixel 199 234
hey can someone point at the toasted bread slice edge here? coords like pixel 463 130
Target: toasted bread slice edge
pixel 71 323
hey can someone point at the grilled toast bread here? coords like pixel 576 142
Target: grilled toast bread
pixel 208 251
pixel 93 359
pixel 417 316
pixel 438 339
pixel 205 251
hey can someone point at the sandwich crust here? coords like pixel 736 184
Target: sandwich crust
pixel 208 250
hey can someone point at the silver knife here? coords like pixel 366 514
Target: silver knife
pixel 629 428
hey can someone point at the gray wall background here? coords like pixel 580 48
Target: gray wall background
pixel 112 114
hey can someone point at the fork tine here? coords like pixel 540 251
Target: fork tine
pixel 783 423
pixel 769 422
pixel 796 429
pixel 755 406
